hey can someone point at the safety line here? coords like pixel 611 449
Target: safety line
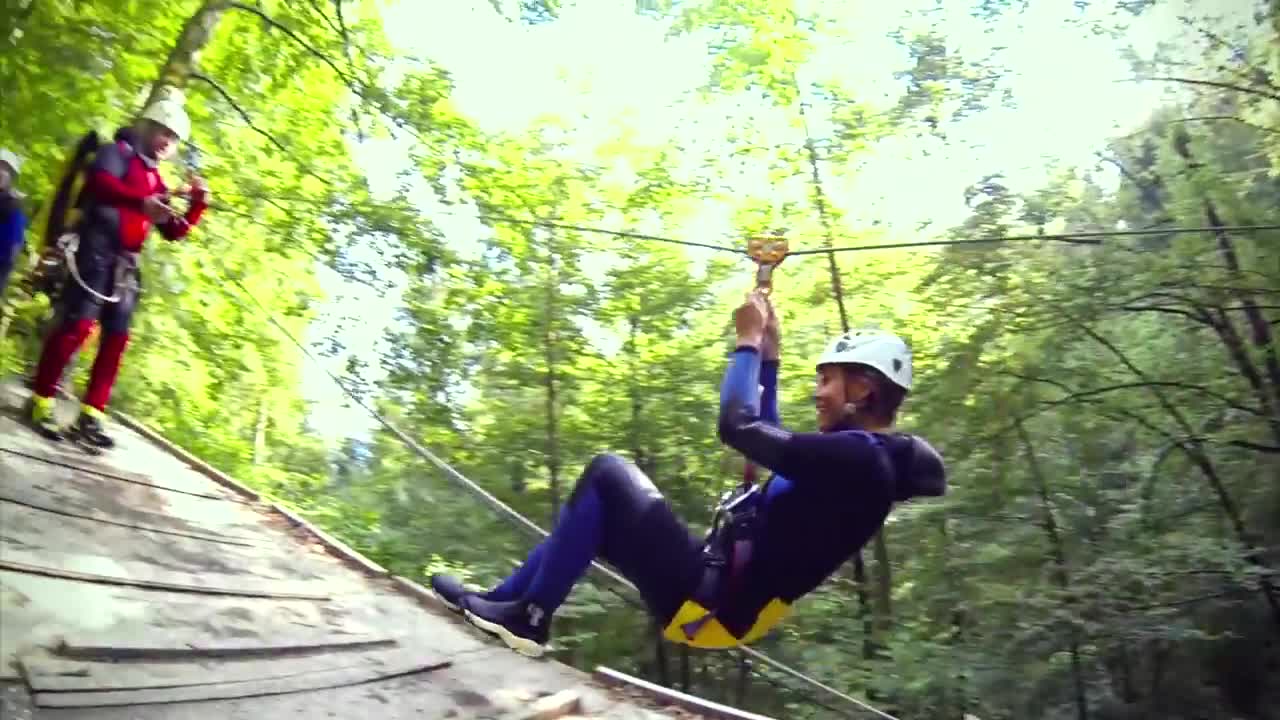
pixel 508 511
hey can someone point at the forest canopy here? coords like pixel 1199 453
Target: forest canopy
pixel 488 221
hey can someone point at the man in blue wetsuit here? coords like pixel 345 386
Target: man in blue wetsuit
pixel 13 223
pixel 830 492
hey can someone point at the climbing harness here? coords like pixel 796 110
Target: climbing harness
pixel 61 234
pixel 768 251
pixel 123 272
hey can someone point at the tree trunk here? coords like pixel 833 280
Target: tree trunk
pixel 884 581
pixel 744 679
pixel 1259 328
pixel 181 62
pixel 660 657
pixel 1194 450
pixel 549 345
pixel 260 432
pixel 634 432
pixel 1060 574
pixel 684 668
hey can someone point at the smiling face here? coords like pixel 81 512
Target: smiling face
pixel 158 141
pixel 837 387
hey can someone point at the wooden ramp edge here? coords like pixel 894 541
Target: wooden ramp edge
pixel 693 703
pixel 392 665
pixel 179 649
pixel 58 674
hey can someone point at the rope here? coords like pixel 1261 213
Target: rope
pixel 756 654
pixel 504 509
pixel 70 243
pixel 1084 238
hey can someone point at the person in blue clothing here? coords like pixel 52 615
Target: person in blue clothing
pixel 13 223
pixel 829 493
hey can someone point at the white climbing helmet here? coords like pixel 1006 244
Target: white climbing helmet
pixel 13 161
pixel 883 351
pixel 168 111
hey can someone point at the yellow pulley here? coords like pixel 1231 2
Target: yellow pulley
pixel 768 251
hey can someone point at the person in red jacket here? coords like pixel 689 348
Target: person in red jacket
pixel 123 198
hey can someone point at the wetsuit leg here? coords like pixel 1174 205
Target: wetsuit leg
pixel 514 587
pixel 78 309
pixel 617 514
pixel 116 320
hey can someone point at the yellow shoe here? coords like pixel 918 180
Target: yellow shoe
pixel 42 417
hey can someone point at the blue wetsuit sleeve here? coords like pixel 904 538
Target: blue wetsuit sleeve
pixel 769 392
pixel 12 237
pixel 802 458
pixel 740 387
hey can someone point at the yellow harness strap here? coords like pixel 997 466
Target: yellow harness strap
pixel 712 635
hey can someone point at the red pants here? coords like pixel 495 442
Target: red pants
pixel 63 342
pixel 97 261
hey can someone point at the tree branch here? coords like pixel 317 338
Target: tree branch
pixel 244 115
pixel 1206 118
pixel 1214 84
pixel 301 41
pixel 1191 600
pixel 315 4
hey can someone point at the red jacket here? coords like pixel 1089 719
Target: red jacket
pixel 119 180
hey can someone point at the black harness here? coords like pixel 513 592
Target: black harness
pixel 727 550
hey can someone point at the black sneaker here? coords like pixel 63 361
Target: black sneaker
pixel 450 591
pixel 523 626
pixel 89 430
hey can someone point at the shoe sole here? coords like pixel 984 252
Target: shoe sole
pixel 445 601
pixel 524 646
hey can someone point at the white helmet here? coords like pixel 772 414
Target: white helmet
pixel 168 111
pixel 883 351
pixel 8 158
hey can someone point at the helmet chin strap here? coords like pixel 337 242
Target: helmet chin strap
pixel 851 408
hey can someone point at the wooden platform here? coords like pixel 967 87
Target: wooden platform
pixel 141 584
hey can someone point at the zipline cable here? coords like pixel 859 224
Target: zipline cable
pixel 502 508
pixel 1083 237
pixel 615 233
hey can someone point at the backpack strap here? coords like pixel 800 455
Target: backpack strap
pixel 67 189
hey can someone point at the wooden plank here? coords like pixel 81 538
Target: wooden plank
pixel 332 544
pixel 59 675
pixel 101 517
pixel 405 662
pixel 83 493
pixel 693 703
pixel 58 460
pixel 179 649
pixel 96 569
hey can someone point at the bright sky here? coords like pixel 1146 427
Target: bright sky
pixel 601 65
